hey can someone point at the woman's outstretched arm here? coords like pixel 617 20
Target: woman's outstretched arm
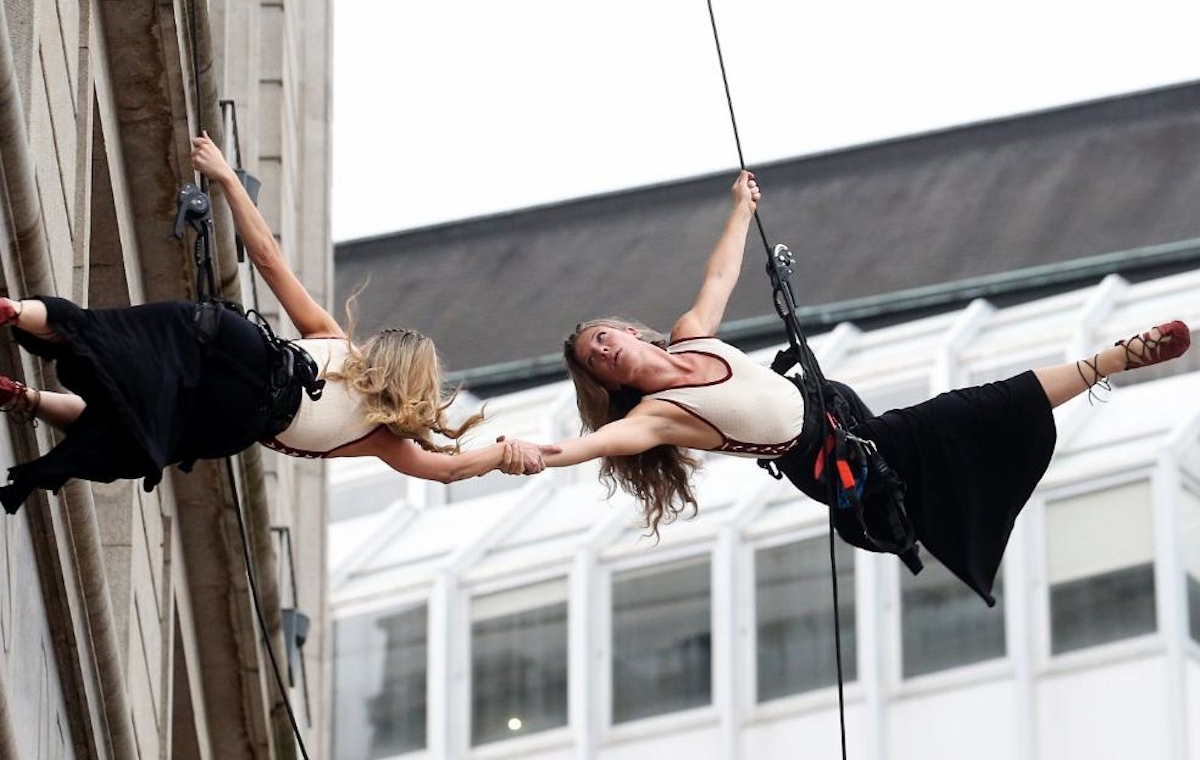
pixel 310 319
pixel 623 437
pixel 405 456
pixel 724 265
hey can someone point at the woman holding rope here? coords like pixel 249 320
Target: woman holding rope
pixel 173 382
pixel 969 458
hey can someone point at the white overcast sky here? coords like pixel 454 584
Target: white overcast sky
pixel 449 109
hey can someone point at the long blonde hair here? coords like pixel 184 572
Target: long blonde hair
pixel 660 479
pixel 397 374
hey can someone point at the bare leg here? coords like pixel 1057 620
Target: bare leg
pixel 1066 381
pixel 30 315
pixel 58 409
pixel 25 404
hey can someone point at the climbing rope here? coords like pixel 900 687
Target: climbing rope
pixel 206 252
pixel 810 369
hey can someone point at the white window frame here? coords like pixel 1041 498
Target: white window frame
pixel 956 677
pixel 409 599
pixel 1031 359
pixel 669 723
pixel 554 738
pixel 883 384
pixel 1089 657
pixel 747 612
pixel 1192 483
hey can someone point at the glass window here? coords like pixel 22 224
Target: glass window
pixel 1100 567
pixel 379 685
pixel 519 661
pixel 662 640
pixel 1190 532
pixel 944 624
pixel 794 617
pixel 1193 602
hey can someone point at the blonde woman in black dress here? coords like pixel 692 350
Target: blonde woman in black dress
pixel 149 387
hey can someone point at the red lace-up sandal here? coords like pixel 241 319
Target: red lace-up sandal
pixel 1174 338
pixel 19 400
pixel 10 311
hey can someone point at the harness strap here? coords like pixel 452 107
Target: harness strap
pixel 208 324
pixel 297 364
pixel 864 494
pixel 290 372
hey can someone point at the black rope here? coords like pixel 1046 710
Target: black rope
pixel 237 502
pixel 837 633
pixel 812 371
pixel 262 622
pixel 737 140
pixel 286 533
pixel 196 80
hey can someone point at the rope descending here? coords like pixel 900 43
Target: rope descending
pixel 779 262
pixel 194 207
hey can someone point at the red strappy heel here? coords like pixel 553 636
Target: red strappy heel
pixel 1174 338
pixel 10 310
pixel 19 400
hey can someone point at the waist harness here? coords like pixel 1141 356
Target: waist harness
pixel 836 467
pixel 291 370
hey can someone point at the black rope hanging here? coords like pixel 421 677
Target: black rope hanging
pixel 779 262
pixel 205 286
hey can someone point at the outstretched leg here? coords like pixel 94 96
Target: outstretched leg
pixel 1066 381
pixel 29 315
pixel 26 404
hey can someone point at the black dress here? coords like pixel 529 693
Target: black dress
pixel 155 395
pixel 970 459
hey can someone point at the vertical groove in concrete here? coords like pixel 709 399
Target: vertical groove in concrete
pixel 30 242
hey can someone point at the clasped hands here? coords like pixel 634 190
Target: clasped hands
pixel 523 457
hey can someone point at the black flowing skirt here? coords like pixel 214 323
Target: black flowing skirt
pixel 155 396
pixel 970 459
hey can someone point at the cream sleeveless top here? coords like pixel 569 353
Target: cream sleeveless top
pixel 758 412
pixel 331 421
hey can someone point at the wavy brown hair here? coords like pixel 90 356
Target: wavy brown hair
pixel 660 479
pixel 398 377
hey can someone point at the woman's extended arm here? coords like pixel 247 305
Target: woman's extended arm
pixel 623 437
pixel 310 319
pixel 724 265
pixel 405 456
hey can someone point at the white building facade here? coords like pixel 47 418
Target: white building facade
pixel 508 617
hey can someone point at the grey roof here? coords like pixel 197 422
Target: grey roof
pixel 934 209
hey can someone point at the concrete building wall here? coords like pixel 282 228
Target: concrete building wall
pixel 29 678
pixel 127 627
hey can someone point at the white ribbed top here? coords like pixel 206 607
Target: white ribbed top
pixel 757 412
pixel 333 420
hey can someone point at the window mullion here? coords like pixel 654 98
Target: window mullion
pixel 1171 598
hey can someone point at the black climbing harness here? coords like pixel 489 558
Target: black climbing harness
pixel 865 496
pixel 291 370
